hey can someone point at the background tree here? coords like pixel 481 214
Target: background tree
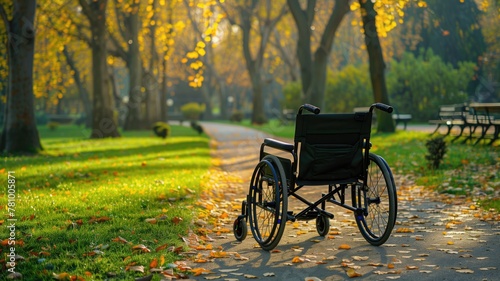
pixel 452 30
pixel 252 14
pixel 127 48
pixel 103 118
pixel 20 134
pixel 313 66
pixel 377 64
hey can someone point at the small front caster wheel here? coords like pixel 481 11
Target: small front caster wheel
pixel 322 225
pixel 240 229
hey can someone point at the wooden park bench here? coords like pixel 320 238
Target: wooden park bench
pixel 487 116
pixel 455 115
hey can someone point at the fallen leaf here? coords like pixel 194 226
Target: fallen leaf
pixel 269 274
pixel 249 276
pixel 404 230
pixel 137 268
pixel 358 258
pixel 162 247
pixel 218 254
pixel 120 240
pixel 140 248
pixel 199 271
pixel 411 267
pixel 176 220
pixel 351 272
pixel 153 263
pixel 212 277
pixel 344 247
pixel 467 271
pixel 99 220
pixel 61 276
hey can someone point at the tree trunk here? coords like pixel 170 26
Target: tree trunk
pixel 103 119
pixel 254 65
pixel 84 95
pixel 20 134
pixel 133 120
pixel 313 67
pixel 377 65
pixel 163 92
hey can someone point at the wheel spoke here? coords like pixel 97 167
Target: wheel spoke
pixel 377 222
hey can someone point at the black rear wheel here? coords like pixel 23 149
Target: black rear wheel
pixel 376 202
pixel 267 202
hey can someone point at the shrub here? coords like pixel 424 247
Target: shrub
pixel 420 84
pixel 293 95
pixel 161 129
pixel 52 125
pixel 437 149
pixel 192 111
pixel 236 116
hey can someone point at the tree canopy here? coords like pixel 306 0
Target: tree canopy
pixel 153 56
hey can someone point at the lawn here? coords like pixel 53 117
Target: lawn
pixel 469 170
pixel 102 208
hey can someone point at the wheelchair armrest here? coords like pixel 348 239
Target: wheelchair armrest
pixel 279 144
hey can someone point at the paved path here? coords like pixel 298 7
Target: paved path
pixel 432 240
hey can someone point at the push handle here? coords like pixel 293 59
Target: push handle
pixel 310 108
pixel 382 106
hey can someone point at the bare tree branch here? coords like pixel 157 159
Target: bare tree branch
pixel 5 18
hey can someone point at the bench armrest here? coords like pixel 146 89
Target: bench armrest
pixel 279 144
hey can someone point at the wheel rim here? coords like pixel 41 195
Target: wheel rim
pixel 267 202
pixel 264 208
pixel 376 221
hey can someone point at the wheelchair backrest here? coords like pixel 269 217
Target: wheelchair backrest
pixel 330 146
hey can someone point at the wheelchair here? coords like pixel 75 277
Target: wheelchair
pixel 329 150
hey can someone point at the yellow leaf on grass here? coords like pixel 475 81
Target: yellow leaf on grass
pixel 61 276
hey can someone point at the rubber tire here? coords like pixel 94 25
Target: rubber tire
pixel 271 233
pixel 240 229
pixel 376 225
pixel 322 225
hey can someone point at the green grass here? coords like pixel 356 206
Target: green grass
pixel 78 195
pixel 470 170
